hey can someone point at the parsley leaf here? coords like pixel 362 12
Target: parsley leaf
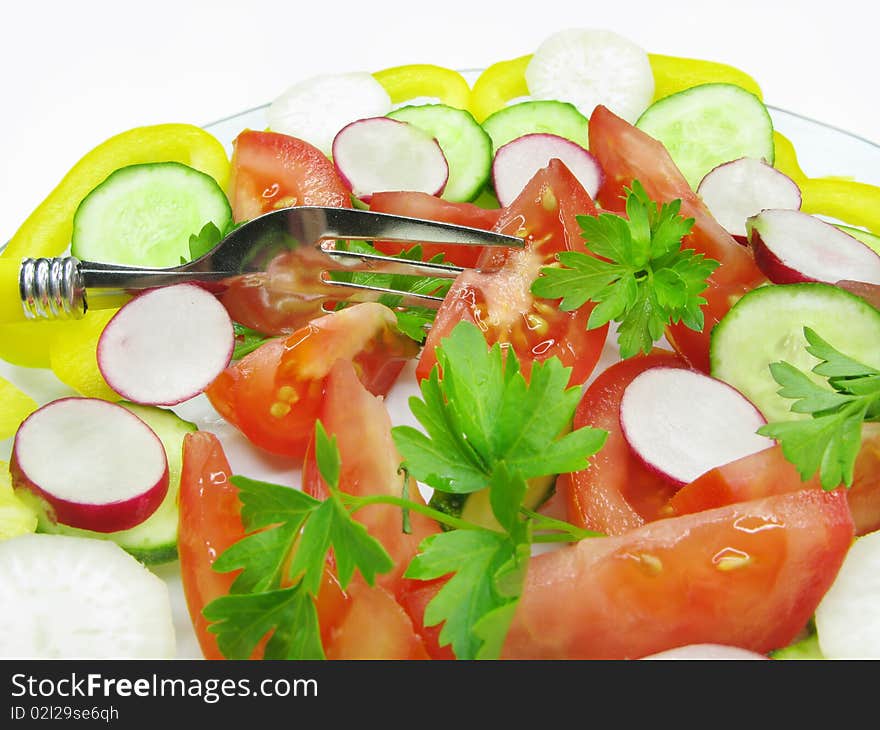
pixel 247 340
pixel 207 238
pixel 829 442
pixel 287 527
pixel 483 412
pixel 412 320
pixel 638 275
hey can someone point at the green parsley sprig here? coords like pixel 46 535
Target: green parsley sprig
pixel 829 442
pixel 413 321
pixel 639 276
pixel 485 426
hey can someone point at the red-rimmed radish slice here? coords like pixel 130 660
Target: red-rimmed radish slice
pixel 316 108
pixel 869 292
pixel 80 598
pixel 791 246
pixel 737 190
pixel 94 463
pixel 682 423
pixel 381 154
pixel 706 651
pixel 166 345
pixel 516 163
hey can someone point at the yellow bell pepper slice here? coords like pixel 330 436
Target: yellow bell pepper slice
pixel 47 231
pixel 425 80
pixel 497 85
pixel 673 74
pixel 15 406
pixel 785 158
pixel 16 518
pixel 73 355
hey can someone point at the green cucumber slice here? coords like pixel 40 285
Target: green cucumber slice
pixel 467 147
pixel 143 215
pixel 154 541
pixel 707 125
pixel 533 117
pixel 767 326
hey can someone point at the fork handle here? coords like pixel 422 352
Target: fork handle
pixel 41 289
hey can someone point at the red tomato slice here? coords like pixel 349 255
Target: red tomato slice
pixel 748 575
pixel 768 472
pixel 271 170
pixel 210 521
pixel 617 492
pixel 273 395
pixel 626 154
pixel 500 302
pixel 430 207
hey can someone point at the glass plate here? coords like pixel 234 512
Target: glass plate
pixel 822 150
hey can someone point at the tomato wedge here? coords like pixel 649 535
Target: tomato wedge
pixel 768 472
pixel 500 301
pixel 617 493
pixel 747 575
pixel 626 154
pixel 273 395
pixel 430 207
pixel 272 170
pixel 210 522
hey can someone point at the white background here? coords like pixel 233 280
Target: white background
pixel 74 73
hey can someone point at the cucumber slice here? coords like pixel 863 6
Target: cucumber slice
pixel 144 215
pixel 707 125
pixel 467 147
pixel 537 117
pixel 475 507
pixel 154 541
pixel 767 325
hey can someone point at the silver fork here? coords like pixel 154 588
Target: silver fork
pixel 63 287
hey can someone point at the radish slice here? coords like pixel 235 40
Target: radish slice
pixel 166 346
pixel 79 598
pixel 791 246
pixel 682 423
pixel 742 188
pixel 316 109
pixel 517 162
pixel 96 464
pixel 706 651
pixel 381 154
pixel 588 67
pixel 848 618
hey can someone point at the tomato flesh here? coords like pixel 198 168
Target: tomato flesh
pixel 747 575
pixel 499 299
pixel 273 394
pixel 430 207
pixel 272 170
pixel 626 154
pixel 617 492
pixel 210 522
pixel 768 472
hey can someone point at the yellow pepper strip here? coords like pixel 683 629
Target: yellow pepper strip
pixel 425 80
pixel 47 230
pixel 16 518
pixel 673 74
pixel 847 200
pixel 497 85
pixel 16 406
pixel 785 159
pixel 73 355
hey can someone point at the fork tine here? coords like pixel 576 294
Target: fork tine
pixel 364 225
